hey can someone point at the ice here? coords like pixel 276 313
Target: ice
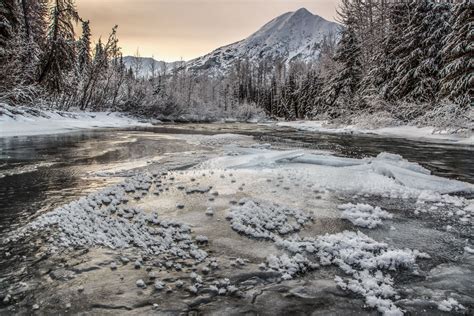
pixel 387 174
pixel 449 304
pixel 364 215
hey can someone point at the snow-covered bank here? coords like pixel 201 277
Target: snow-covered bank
pixel 22 121
pixel 408 132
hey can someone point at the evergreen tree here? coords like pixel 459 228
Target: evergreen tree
pixel 410 52
pixel 457 74
pixel 433 29
pixel 341 93
pixel 84 48
pixel 9 23
pixel 59 58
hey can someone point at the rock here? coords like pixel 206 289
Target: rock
pixel 192 289
pixel 210 211
pixel 137 264
pixel 201 190
pixel 159 285
pixel 179 206
pixel 113 265
pixel 141 284
pixel 7 299
pixel 202 239
pixel 35 307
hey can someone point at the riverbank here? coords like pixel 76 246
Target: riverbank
pixel 426 133
pixel 25 121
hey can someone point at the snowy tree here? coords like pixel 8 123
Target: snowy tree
pixel 59 58
pixel 84 48
pixel 341 93
pixel 9 23
pixel 433 29
pixel 409 52
pixel 457 74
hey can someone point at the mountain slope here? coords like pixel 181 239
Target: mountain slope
pixel 291 36
pixel 143 66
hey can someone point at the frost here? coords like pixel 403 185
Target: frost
pixel 89 222
pixel 363 259
pixel 449 304
pixel 263 220
pixel 289 267
pixel 364 215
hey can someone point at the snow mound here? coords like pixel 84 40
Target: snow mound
pixel 265 220
pixel 364 215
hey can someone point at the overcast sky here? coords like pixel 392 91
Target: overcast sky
pixel 175 29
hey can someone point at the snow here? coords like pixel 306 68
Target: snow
pixel 267 221
pixel 409 132
pixel 21 121
pixel 449 304
pixel 364 215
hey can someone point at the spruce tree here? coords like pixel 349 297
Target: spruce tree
pixel 59 58
pixel 84 48
pixel 458 52
pixel 433 30
pixel 341 93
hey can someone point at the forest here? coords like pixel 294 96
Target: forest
pixel 393 62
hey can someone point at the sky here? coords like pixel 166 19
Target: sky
pixel 171 30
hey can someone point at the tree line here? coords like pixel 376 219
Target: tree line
pixel 406 59
pixel 409 59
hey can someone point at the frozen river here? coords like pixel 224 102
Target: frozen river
pixel 255 219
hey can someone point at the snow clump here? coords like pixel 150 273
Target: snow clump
pixel 364 215
pixel 265 220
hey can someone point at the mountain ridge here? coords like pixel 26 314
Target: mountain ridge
pixel 292 36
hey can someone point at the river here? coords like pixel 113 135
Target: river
pixel 40 173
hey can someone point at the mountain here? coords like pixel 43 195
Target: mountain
pixel 291 36
pixel 145 65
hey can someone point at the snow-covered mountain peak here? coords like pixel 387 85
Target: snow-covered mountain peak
pixel 291 36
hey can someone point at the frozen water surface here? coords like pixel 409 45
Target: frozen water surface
pixel 233 220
